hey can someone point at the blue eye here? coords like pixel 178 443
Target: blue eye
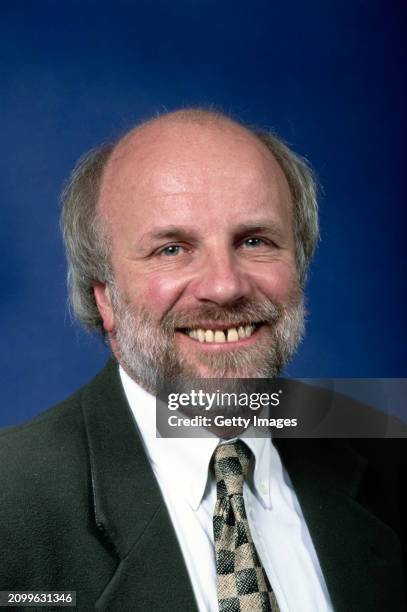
pixel 253 242
pixel 171 250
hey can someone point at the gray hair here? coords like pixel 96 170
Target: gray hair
pixel 85 237
pixel 86 240
pixel 304 189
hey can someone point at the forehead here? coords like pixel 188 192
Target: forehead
pixel 175 169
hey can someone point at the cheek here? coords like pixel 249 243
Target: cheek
pixel 161 293
pixel 277 282
pixel 157 291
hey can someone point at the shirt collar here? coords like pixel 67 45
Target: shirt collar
pixel 261 448
pixel 184 462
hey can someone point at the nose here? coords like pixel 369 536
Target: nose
pixel 221 280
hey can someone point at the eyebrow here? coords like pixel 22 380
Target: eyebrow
pixel 173 232
pixel 170 232
pixel 261 226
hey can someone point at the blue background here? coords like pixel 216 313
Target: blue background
pixel 329 77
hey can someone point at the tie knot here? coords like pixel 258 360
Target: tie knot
pixel 231 464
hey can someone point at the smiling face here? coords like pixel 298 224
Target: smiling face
pixel 202 252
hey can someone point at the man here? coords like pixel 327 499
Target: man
pixel 188 245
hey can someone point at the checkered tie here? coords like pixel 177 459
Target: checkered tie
pixel 242 583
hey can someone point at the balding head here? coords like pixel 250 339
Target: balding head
pixel 174 161
pixel 151 149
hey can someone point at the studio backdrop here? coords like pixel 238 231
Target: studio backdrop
pixel 328 77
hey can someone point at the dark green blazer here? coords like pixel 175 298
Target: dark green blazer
pixel 80 510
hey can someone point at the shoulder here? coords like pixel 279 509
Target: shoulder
pixel 44 470
pixel 54 436
pixel 36 445
pixel 41 463
pixel 44 457
pixel 47 523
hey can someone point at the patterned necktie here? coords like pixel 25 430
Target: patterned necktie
pixel 241 581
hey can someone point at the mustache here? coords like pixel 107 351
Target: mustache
pixel 245 311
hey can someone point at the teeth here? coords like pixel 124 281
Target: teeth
pixel 249 330
pixel 220 336
pixel 241 331
pixel 209 335
pixel 232 334
pixel 201 335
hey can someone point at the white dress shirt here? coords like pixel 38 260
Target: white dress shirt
pixel 277 525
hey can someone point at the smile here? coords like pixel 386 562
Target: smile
pixel 222 335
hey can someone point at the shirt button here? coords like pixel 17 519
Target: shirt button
pixel 263 487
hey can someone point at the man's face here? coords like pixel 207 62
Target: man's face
pixel 203 255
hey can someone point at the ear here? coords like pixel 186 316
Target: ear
pixel 104 304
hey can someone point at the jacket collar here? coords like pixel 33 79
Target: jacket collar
pixel 128 507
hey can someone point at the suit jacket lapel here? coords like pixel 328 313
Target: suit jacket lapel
pixel 359 555
pixel 129 510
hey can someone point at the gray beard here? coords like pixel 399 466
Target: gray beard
pixel 148 352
